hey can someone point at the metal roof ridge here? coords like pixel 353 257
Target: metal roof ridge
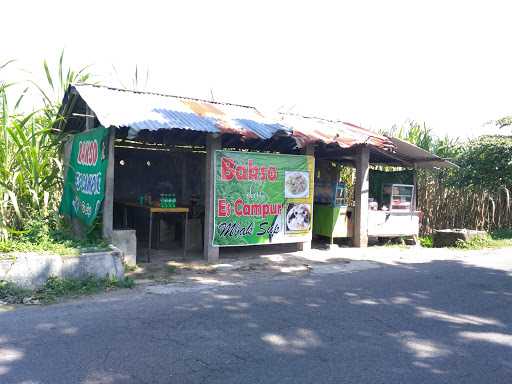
pixel 163 95
pixel 378 135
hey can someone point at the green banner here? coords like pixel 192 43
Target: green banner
pixel 262 198
pixel 84 187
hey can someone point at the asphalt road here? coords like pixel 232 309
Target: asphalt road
pixel 437 322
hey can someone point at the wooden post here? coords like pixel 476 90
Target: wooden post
pixel 360 233
pixel 89 119
pixel 414 204
pixel 306 245
pixel 66 156
pixel 108 202
pixel 184 178
pixel 211 253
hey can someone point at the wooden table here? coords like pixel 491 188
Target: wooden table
pixel 158 210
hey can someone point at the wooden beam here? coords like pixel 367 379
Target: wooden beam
pixel 108 202
pixel 360 237
pixel 394 157
pixel 211 253
pixel 306 245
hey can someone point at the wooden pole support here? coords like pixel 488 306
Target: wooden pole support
pixel 360 236
pixel 211 253
pixel 108 202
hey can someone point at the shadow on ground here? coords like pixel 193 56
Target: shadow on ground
pixel 443 321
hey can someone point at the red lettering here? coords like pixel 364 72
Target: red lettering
pixel 253 171
pixel 227 169
pixel 241 172
pixel 263 171
pixel 223 208
pixel 94 154
pixel 238 209
pixel 87 153
pixel 272 173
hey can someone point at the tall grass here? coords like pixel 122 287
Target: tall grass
pixel 470 197
pixel 30 161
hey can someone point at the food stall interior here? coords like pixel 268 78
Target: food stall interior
pixel 392 202
pixel 170 183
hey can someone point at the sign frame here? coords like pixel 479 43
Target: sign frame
pixel 287 203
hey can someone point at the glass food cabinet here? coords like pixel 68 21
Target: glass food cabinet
pixel 397 197
pixel 333 194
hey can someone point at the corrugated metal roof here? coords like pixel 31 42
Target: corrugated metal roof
pixel 346 135
pixel 418 156
pixel 151 111
pixel 142 110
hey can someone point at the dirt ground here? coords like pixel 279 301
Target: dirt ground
pixel 234 264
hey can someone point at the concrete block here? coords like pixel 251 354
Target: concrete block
pixel 98 264
pixel 449 237
pixel 126 241
pixel 31 270
pixel 304 247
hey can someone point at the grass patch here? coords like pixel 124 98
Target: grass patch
pixel 501 238
pixel 130 268
pixel 52 235
pixel 426 242
pixel 13 294
pixel 56 288
pixel 57 247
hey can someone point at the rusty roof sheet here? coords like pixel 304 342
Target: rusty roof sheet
pixel 151 111
pixel 312 129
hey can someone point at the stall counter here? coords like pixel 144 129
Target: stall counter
pixel 393 223
pixel 332 222
pixel 336 222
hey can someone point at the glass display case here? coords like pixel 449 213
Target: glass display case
pixel 334 194
pixel 397 197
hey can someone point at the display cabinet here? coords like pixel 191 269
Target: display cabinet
pixel 397 197
pixel 333 194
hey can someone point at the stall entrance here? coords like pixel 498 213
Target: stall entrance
pixel 158 194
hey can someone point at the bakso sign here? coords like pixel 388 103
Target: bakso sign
pixel 262 198
pixel 84 187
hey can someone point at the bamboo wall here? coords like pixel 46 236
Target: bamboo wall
pixel 446 206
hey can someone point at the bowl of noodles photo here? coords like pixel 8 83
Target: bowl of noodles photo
pixel 296 184
pixel 298 217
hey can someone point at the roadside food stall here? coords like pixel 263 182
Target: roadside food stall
pixel 191 175
pixel 391 205
pixel 181 172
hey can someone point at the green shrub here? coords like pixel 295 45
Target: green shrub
pixel 502 234
pixel 51 235
pixel 426 241
pixel 11 293
pixel 56 287
pixel 478 242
